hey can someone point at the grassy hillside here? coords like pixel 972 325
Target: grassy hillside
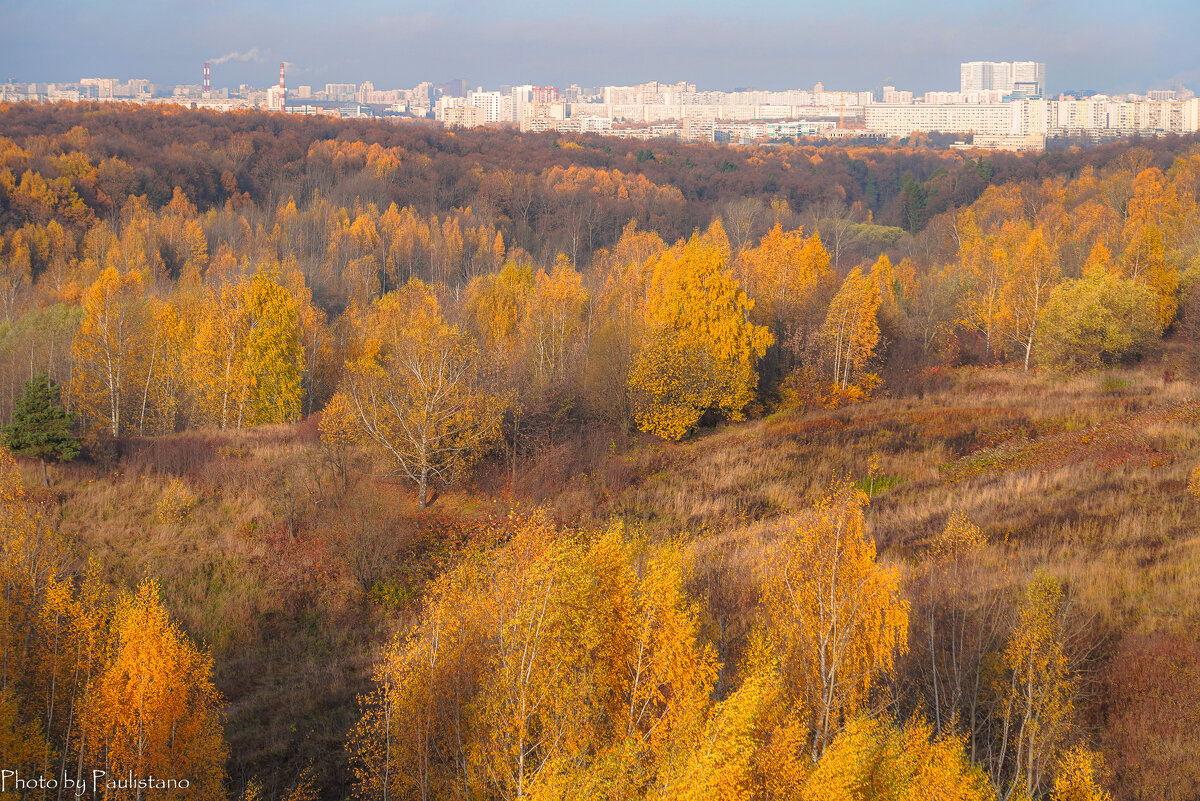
pixel 295 581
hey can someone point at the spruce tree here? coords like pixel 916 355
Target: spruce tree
pixel 41 427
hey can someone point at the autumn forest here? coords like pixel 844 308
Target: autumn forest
pixel 371 461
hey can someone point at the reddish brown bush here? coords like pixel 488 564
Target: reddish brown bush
pixel 1152 706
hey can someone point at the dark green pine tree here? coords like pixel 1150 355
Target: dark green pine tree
pixel 41 427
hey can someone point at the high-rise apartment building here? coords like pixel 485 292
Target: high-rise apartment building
pixel 1027 78
pixel 520 96
pixel 340 92
pixel 492 105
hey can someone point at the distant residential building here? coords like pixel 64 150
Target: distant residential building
pixel 891 95
pixel 357 111
pixel 943 97
pixel 696 130
pixel 1012 143
pixel 105 87
pixel 520 95
pixel 340 92
pixel 534 115
pixel 463 116
pixel 1027 78
pixel 1190 115
pixel 492 104
pixel 902 120
pixel 796 128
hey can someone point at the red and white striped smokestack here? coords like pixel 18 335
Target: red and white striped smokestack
pixel 207 82
pixel 282 88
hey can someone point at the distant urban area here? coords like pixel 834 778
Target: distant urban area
pixel 999 105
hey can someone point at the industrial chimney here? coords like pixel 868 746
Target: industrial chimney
pixel 207 82
pixel 282 88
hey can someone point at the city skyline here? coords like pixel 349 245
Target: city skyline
pixel 777 48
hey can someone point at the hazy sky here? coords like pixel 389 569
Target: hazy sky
pixel 1108 45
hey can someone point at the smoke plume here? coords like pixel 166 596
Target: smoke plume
pixel 249 55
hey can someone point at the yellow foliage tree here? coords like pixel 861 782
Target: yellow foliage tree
pixel 875 760
pixel 544 668
pixel 1031 274
pixel 672 382
pixel 554 319
pixel 1035 691
pixel 1076 776
pixel 851 332
pixel 1098 319
pixel 723 760
pixel 75 628
pixel 108 347
pixel 274 358
pixel 417 391
pixel 782 273
pixel 22 747
pixel 248 353
pixel 695 312
pixel 982 277
pixel 496 306
pixel 832 614
pixel 1145 263
pixel 221 332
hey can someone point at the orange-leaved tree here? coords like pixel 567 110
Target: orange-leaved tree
pixel 154 710
pixel 782 274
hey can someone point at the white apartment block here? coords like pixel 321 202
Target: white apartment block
pixel 1190 115
pixel 519 96
pixel 1013 144
pixel 541 116
pixel 493 105
pixel 105 87
pixel 698 130
pixel 1004 77
pixel 598 125
pixel 1035 117
pixel 943 97
pixel 1038 116
pixel 1029 77
pixel 904 119
pixel 462 116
